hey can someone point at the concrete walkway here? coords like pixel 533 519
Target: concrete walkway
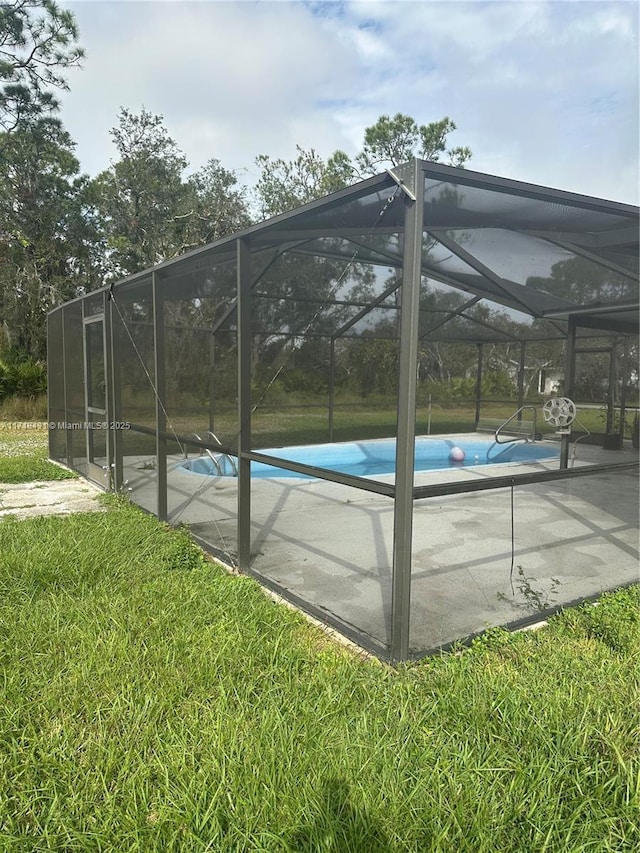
pixel 56 497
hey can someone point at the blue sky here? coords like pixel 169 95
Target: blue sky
pixel 541 91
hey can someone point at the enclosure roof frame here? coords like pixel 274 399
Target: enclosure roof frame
pixel 477 278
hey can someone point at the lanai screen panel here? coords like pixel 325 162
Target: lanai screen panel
pixel 506 556
pixel 317 321
pixel 199 344
pixel 317 288
pixel 74 385
pixel 325 301
pixel 135 389
pixel 527 247
pixel 329 547
pixel 201 424
pixel 55 386
pixel 368 209
pixel 307 315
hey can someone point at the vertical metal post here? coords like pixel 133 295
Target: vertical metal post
pixel 50 453
pixel 161 393
pixel 405 447
pixel 478 385
pixel 243 256
pixel 569 379
pixel 85 431
pixel 108 390
pixel 116 395
pixel 67 414
pixel 332 379
pixel 212 383
pixel 623 387
pixel 611 396
pixel 521 366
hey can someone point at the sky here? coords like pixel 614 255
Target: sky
pixel 543 91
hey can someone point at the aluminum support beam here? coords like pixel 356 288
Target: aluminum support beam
pixel 243 302
pixel 569 379
pixel 590 256
pixel 115 374
pixel 479 385
pixel 506 288
pixel 611 394
pixel 161 415
pixel 68 446
pixel 112 436
pixel 623 387
pixel 332 386
pixel 612 238
pixel 212 382
pixel 405 446
pixel 521 370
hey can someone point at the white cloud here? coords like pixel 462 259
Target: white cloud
pixel 239 75
pixel 541 91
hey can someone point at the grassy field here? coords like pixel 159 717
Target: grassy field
pixel 309 424
pixel 23 451
pixel 296 422
pixel 153 702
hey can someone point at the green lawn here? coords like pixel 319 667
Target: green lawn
pixel 153 702
pixel 359 420
pixel 23 455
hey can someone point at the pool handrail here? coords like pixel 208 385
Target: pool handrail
pixel 216 460
pixel 525 436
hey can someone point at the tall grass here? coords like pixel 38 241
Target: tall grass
pixel 17 407
pixel 152 702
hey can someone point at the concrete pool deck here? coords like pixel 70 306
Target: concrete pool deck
pixel 331 546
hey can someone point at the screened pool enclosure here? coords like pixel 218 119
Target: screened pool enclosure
pixel 384 405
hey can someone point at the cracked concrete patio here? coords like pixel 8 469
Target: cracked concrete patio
pixel 57 497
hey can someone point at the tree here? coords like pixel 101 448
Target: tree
pixel 49 239
pixel 150 212
pixel 217 207
pixel 582 281
pixel 285 185
pixel 371 363
pixel 35 49
pixel 391 141
pixel 140 195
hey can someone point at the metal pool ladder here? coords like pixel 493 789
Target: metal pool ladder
pixel 523 431
pixel 217 457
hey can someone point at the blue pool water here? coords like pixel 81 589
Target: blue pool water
pixel 372 458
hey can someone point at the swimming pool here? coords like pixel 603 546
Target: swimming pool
pixel 376 457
